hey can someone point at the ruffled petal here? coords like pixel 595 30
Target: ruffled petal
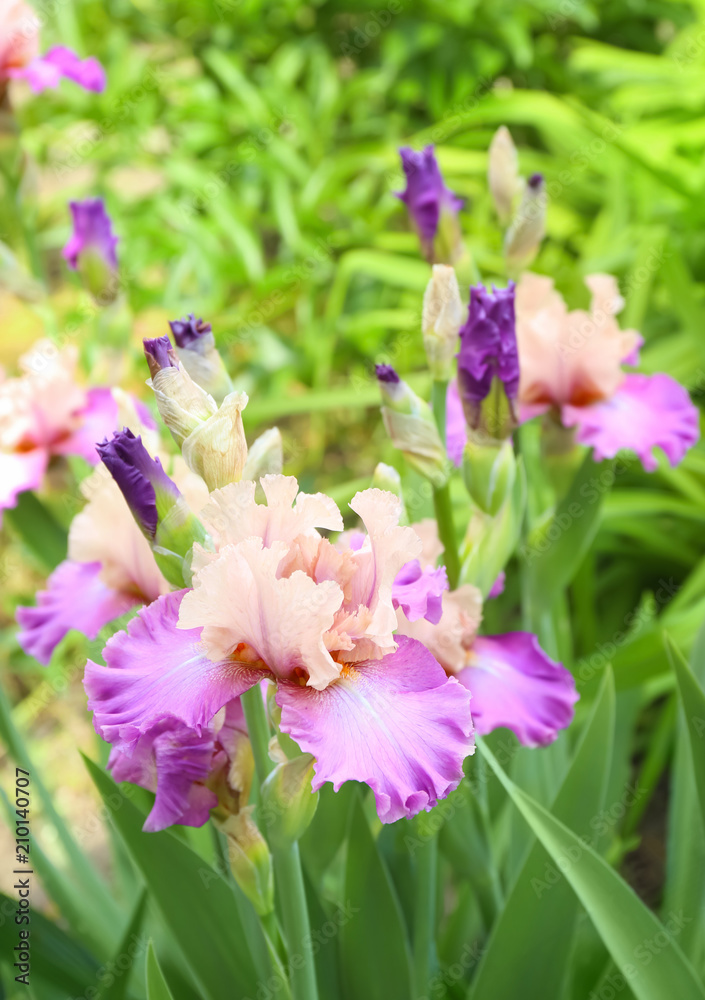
pixel 418 592
pixel 515 684
pixel 173 761
pixel 646 412
pixel 98 420
pixel 398 724
pixel 456 428
pixel 75 598
pixel 20 471
pixel 155 670
pixel 240 601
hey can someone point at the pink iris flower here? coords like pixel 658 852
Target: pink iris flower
pixel 275 600
pixel 45 413
pixel 572 365
pixel 19 37
pixel 47 71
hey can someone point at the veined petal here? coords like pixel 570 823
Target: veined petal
pixel 398 724
pixel 173 761
pixel 418 592
pixel 240 601
pixel 155 670
pixel 75 598
pixel 515 684
pixel 646 412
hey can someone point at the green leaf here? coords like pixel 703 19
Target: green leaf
pixel 645 951
pixel 693 700
pixel 117 990
pixel 555 550
pixel 157 988
pixel 38 529
pixel 197 904
pixel 538 909
pixel 375 957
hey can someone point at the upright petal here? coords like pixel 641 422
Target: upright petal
pixel 173 761
pixel 75 598
pixel 646 412
pixel 242 604
pixel 398 724
pixel 418 591
pixel 450 641
pixel 155 670
pixel 515 684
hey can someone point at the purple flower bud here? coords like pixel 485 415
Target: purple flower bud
pixel 148 490
pixel 426 195
pixel 92 234
pixel 385 373
pixel 488 349
pixel 535 181
pixel 189 331
pixel 159 354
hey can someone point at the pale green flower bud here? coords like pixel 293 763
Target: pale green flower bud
pixel 441 320
pixel 411 427
pixel 250 860
pixel 265 457
pixel 386 477
pixel 528 227
pixel 489 471
pixel 288 803
pixel 196 350
pixel 503 173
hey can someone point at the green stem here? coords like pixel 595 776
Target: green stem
pixel 425 912
pixel 292 897
pixel 439 389
pixel 289 880
pixel 446 533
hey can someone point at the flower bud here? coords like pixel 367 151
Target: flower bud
pixel 265 457
pixel 411 427
pixel 523 239
pixel 195 348
pixel 432 206
pixel 488 364
pixel 156 503
pixel 212 439
pixel 91 249
pixel 503 173
pixel 441 320
pixel 386 477
pixel 489 471
pixel 250 860
pixel 288 803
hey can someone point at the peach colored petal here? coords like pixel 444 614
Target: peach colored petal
pixel 106 532
pixel 427 530
pixel 451 639
pixel 246 609
pixel 233 515
pixel 570 357
pixel 19 35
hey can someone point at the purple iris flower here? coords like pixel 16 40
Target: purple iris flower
pixel 426 195
pixel 142 480
pixel 159 354
pixel 92 233
pixel 488 348
pixel 189 332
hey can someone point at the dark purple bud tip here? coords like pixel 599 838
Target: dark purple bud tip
pixel 188 330
pixel 535 181
pixel 385 373
pixel 159 354
pixel 139 476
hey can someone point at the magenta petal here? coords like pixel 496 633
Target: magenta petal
pixel 20 471
pixel 155 670
pixel 98 421
pixel 515 684
pixel 75 598
pixel 497 587
pixel 87 73
pixel 646 412
pixel 173 761
pixel 398 724
pixel 456 430
pixel 418 591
